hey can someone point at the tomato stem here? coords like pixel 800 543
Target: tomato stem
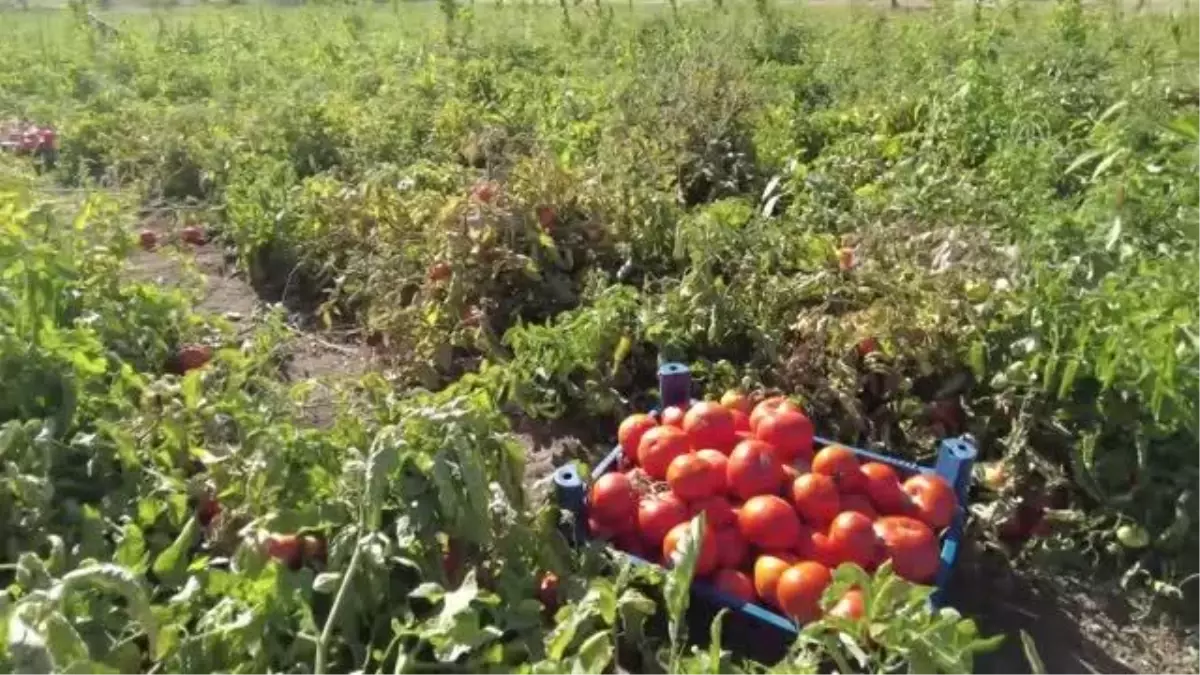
pixel 327 631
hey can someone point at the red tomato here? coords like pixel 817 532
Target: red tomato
pixel 734 584
pixel 693 478
pixel 853 538
pixel 859 504
pixel 286 548
pixel 912 547
pixel 769 522
pixel 484 191
pixel 741 423
pixel 439 271
pixel 852 606
pixel 717 511
pixel 207 510
pixel 933 499
pixel 598 530
pixel 710 425
pixel 193 235
pixel 706 560
pixel 631 542
pixel 612 500
pixel 148 239
pixel 769 408
pixel 867 346
pixel 767 570
pixel 673 416
pixel 546 217
pixel 791 473
pixel 815 497
pixel 816 546
pixel 790 432
pixel 731 547
pixel 753 470
pixel 721 462
pixel 630 433
pixel 658 447
pixel 841 464
pixel 192 357
pixel 799 590
pixel 736 400
pixel 883 487
pixel 657 515
pixel 548 591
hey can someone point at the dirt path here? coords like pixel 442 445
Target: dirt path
pixel 327 359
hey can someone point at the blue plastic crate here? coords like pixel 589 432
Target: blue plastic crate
pixel 954 462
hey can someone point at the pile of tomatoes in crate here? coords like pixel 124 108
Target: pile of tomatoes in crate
pixel 25 138
pixel 779 513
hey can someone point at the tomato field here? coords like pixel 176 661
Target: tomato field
pixel 300 306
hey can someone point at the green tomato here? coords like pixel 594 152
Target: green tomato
pixel 1133 536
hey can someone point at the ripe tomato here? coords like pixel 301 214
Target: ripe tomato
pixel 721 462
pixel 731 547
pixel 767 570
pixel 815 497
pixel 769 408
pixel 452 561
pixel 866 346
pixel 484 191
pixel 852 606
pixel 546 217
pixel 799 590
pixel 790 432
pixel 630 433
pixel 612 500
pixel 734 584
pixel 693 478
pixel 439 271
pixel 710 425
pixel 207 510
pixel 286 548
pixel 192 235
pixel 853 539
pixel 933 499
pixel 912 547
pixel 859 504
pixel 192 357
pixel 816 546
pixel 883 488
pixel 841 464
pixel 673 416
pixel 736 400
pixel 598 530
pixel 658 447
pixel 548 591
pixel 741 423
pixel 769 522
pixel 791 473
pixel 148 239
pixel 706 560
pixel 631 542
pixel 717 511
pixel 753 470
pixel 657 515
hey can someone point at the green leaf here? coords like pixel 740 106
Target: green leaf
pixel 131 552
pixel 677 592
pixel 327 582
pixel 63 641
pixel 171 565
pixel 595 653
pixel 714 642
pixel 115 579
